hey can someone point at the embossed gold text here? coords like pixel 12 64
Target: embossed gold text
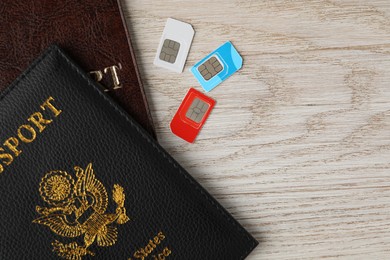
pixel 27 133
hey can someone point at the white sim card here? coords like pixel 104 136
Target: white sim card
pixel 174 45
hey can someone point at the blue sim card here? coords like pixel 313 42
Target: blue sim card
pixel 217 66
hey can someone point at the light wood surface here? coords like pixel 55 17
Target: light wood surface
pixel 298 145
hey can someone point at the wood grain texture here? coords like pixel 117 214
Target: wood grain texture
pixel 298 146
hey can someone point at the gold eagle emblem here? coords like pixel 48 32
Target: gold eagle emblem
pixel 78 208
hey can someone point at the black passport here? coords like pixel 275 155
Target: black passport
pixel 79 179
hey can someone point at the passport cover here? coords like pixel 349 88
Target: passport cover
pixel 93 33
pixel 80 179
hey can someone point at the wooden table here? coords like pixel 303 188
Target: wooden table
pixel 298 146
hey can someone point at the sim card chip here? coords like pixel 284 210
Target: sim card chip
pixel 210 68
pixel 197 110
pixel 169 51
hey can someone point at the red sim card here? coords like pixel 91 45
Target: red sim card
pixel 191 115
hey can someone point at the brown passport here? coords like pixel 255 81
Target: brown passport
pixel 93 33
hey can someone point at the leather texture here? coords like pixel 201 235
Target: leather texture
pixel 160 195
pixel 93 33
